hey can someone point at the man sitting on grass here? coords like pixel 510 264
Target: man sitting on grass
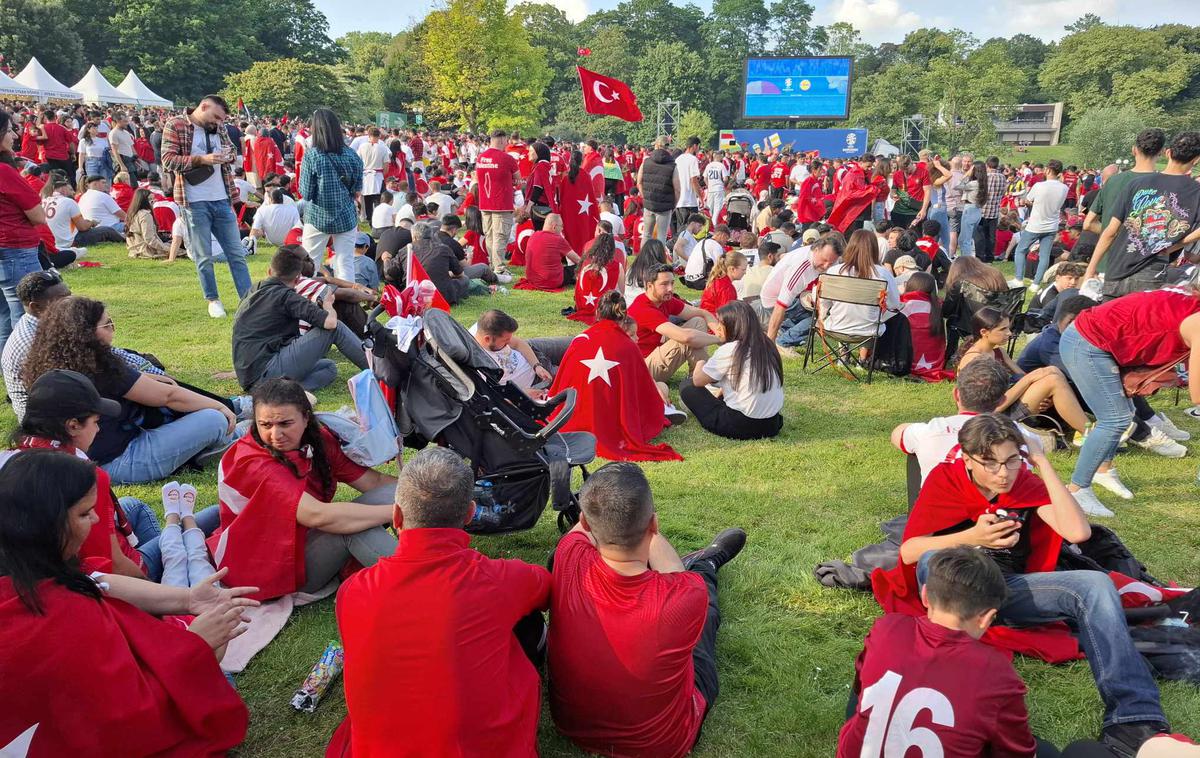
pixel 912 668
pixel 665 344
pixel 438 637
pixel 632 648
pixel 989 498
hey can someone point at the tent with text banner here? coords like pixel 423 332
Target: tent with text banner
pixel 35 76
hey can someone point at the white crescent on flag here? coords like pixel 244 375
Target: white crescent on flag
pixel 19 747
pixel 596 91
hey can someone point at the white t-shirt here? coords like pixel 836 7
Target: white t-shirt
pixel 617 224
pixel 383 216
pixel 358 142
pixel 706 248
pixel 180 229
pixel 516 369
pixel 933 440
pixel 405 212
pixel 799 173
pixel 715 175
pixel 122 141
pixel 687 167
pixel 102 130
pixel 60 209
pixel 745 397
pixel 99 207
pixel 849 318
pixel 792 274
pixel 1047 196
pixel 443 202
pixel 96 149
pixel 245 189
pixel 212 188
pixel 275 221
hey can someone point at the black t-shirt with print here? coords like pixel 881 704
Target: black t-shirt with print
pixel 1156 211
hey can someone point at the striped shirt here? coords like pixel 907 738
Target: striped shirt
pixel 996 185
pixel 791 276
pixel 312 290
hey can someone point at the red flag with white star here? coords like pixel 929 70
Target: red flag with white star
pixel 605 96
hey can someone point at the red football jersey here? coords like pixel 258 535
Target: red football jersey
pixel 935 689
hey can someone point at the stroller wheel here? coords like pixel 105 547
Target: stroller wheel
pixel 567 519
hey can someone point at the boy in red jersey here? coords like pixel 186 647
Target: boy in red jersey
pixel 616 689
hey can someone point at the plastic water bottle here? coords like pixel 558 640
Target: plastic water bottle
pixel 502 291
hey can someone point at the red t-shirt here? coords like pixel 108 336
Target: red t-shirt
pixel 912 692
pixel 544 261
pixel 494 170
pixel 56 144
pixel 778 174
pixel 719 292
pixel 432 665
pixel 762 177
pixel 649 317
pixel 542 176
pixel 620 655
pixel 1142 328
pixel 16 197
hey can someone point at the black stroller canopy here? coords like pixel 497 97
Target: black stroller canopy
pixel 458 344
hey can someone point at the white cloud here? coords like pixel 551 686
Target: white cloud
pixel 1046 18
pixel 876 20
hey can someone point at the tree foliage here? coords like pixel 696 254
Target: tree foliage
pixel 288 86
pixel 696 123
pixel 31 28
pixel 483 71
pixel 1104 134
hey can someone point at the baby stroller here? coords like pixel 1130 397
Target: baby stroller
pixel 739 206
pixel 446 389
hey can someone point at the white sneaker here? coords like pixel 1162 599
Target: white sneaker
pixel 1034 289
pixel 1164 424
pixel 1111 481
pixel 1014 283
pixel 504 278
pixel 80 253
pixel 1160 444
pixel 1090 504
pixel 215 309
pixel 1193 412
pixel 674 415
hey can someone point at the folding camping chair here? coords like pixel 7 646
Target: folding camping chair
pixel 840 348
pixel 1011 303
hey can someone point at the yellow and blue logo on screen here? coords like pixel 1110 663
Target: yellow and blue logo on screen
pixel 805 85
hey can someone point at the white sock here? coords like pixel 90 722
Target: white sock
pixel 172 499
pixel 187 500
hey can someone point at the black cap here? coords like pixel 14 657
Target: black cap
pixel 67 394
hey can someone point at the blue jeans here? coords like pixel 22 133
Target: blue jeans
pixel 215 218
pixel 938 213
pixel 797 322
pixel 94 167
pixel 155 453
pixel 1088 600
pixel 1097 378
pixel 15 263
pixel 878 212
pixel 1044 249
pixel 970 222
pixel 106 166
pixel 148 531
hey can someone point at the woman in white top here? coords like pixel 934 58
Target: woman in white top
pixel 746 373
pixel 861 259
pixel 973 188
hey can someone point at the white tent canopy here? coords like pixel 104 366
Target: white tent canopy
pixel 10 86
pixel 132 86
pixel 96 89
pixel 36 77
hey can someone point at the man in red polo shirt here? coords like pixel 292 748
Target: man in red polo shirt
pixel 434 665
pixel 616 688
pixel 497 176
pixel 665 344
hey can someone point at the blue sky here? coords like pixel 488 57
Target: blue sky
pixel 879 20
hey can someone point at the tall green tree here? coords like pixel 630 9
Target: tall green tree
pixel 406 81
pixel 289 29
pixel 1104 134
pixel 552 33
pixel 791 30
pixel 45 29
pixel 646 22
pixel 483 71
pixel 668 71
pixel 1083 23
pixel 289 86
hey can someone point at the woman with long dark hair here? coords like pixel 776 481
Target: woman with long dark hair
pixel 921 306
pixel 473 238
pixel 974 191
pixel 330 177
pixel 880 174
pixel 747 370
pixel 21 213
pixel 281 529
pixel 600 271
pixel 151 686
pixel 580 208
pixel 143 443
pixel 141 230
pixel 541 191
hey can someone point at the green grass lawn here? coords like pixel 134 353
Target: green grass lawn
pixel 817 492
pixel 1009 154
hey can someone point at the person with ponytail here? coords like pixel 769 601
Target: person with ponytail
pixel 281 529
pixel 541 190
pixel 98 673
pixel 578 203
pixel 747 371
pixel 600 271
pixel 729 268
pixel 921 306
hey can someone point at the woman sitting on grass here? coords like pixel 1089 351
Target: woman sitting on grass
pixel 729 268
pixel 600 271
pixel 1031 393
pixel 920 305
pixel 78 647
pixel 747 371
pixel 281 528
pixel 141 230
pixel 161 425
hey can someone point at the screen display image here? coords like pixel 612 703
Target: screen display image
pixel 797 88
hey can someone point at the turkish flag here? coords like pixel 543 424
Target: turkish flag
pixel 605 96
pixel 580 209
pixel 421 288
pixel 617 400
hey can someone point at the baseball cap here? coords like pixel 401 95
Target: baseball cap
pixel 810 236
pixel 905 262
pixel 362 240
pixel 67 394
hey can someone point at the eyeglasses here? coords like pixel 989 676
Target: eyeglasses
pixel 109 325
pixel 993 467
